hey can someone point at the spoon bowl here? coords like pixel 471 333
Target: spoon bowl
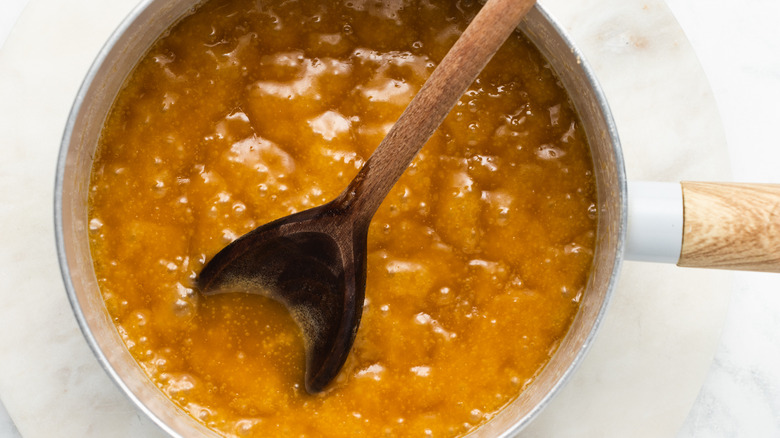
pixel 313 262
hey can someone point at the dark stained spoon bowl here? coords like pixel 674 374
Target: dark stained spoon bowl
pixel 314 261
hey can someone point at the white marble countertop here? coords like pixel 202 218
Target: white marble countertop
pixel 738 45
pixel 739 49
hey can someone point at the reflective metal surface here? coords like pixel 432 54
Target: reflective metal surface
pixel 80 139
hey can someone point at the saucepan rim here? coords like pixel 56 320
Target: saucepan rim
pixel 619 231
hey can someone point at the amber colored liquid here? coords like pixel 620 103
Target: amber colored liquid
pixel 248 111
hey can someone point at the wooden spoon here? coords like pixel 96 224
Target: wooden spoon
pixel 314 261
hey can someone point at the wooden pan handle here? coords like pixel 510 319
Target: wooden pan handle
pixel 731 226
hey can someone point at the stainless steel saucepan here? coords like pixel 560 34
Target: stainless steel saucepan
pixel 732 226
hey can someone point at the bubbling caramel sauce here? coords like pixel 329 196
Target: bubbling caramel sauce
pixel 246 111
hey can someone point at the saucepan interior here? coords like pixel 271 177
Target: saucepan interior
pixel 115 62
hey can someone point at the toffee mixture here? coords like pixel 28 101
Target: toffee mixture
pixel 246 111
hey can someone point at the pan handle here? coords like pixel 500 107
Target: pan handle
pixel 705 225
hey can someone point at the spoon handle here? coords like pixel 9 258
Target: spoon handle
pixel 460 67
